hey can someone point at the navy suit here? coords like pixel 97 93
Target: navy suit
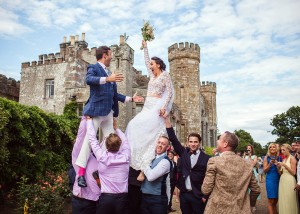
pixel 103 98
pixel 190 202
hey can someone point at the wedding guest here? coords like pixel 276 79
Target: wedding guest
pixel 154 187
pixel 260 165
pixel 145 128
pixel 84 200
pixel 272 176
pixel 287 196
pixel 173 179
pixel 192 167
pixel 113 168
pixel 227 180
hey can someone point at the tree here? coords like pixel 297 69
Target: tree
pixel 287 125
pixel 246 139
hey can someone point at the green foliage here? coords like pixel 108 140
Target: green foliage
pixel 45 196
pixel 287 125
pixel 208 150
pixel 33 142
pixel 246 139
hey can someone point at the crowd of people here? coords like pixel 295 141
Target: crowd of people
pixel 138 171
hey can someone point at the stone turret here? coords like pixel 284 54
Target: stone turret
pixel 184 59
pixel 209 91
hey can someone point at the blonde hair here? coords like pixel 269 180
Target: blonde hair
pixel 286 146
pixel 277 149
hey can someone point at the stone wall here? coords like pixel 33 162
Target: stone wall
pixel 9 88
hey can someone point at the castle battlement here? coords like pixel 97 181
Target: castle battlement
pixel 207 86
pixel 67 50
pixel 184 50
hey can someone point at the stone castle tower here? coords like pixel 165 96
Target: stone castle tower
pixel 196 101
pixel 184 59
pixel 208 92
pixel 56 79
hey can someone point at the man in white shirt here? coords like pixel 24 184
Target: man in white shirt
pixel 154 187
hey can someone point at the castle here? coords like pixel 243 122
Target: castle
pixel 56 79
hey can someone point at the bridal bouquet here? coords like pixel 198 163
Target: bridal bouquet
pixel 147 32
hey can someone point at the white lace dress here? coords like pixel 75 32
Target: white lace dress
pixel 147 126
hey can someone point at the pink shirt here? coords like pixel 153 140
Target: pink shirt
pixel 92 191
pixel 113 168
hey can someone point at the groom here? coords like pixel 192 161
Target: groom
pixel 102 104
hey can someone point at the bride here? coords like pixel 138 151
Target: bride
pixel 146 127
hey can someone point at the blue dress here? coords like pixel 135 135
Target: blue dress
pixel 272 180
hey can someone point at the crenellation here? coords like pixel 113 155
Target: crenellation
pixel 184 50
pixel 33 63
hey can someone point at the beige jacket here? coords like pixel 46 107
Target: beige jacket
pixel 227 180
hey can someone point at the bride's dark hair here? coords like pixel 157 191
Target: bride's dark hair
pixel 160 62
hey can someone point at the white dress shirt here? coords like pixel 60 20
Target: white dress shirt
pixel 194 159
pixel 162 168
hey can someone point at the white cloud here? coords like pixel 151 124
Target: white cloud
pixel 10 26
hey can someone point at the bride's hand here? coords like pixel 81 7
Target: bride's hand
pixel 144 43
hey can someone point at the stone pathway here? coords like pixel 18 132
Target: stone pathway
pixel 261 204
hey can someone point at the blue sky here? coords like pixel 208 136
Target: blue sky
pixel 251 49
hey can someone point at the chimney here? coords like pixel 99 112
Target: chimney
pixel 65 39
pixel 72 38
pixel 76 38
pixel 122 41
pixel 83 36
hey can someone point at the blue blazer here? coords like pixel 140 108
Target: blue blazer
pixel 103 98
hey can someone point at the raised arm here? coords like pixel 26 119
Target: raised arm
pixel 96 147
pixel 147 58
pixel 179 149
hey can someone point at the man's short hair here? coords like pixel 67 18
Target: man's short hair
pixel 194 135
pixel 164 136
pixel 101 50
pixel 113 142
pixel 231 139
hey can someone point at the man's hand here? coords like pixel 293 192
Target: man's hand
pixel 137 98
pixel 297 187
pixel 115 78
pixel 115 123
pixel 163 113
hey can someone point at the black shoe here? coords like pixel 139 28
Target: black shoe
pixel 81 181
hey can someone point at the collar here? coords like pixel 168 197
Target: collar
pixel 195 152
pixel 158 156
pixel 102 65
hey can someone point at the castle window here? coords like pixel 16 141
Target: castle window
pixel 49 88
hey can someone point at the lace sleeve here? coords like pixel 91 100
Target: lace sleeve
pixel 169 89
pixel 147 61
